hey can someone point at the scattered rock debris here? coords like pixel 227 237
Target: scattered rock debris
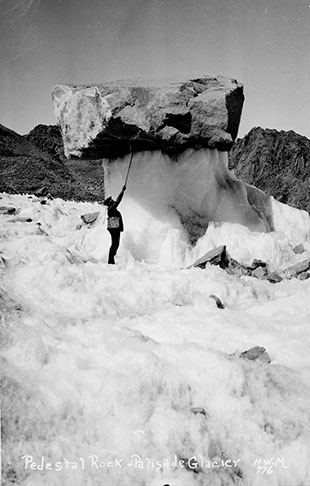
pixel 90 218
pixel 260 272
pixel 256 353
pixel 273 277
pixel 7 210
pixel 258 269
pixel 295 270
pixel 217 256
pixel 199 410
pixel 258 264
pixel 299 248
pixel 41 192
pixel 217 301
pixel 3 260
pixel 20 220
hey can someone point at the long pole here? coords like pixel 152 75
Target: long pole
pixel 129 166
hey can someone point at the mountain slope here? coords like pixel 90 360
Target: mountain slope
pixel 276 162
pixel 37 159
pixel 49 140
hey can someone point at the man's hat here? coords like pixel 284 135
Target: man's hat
pixel 107 201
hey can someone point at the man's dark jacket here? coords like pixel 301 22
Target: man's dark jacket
pixel 113 212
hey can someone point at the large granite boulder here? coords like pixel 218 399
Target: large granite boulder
pixel 110 119
pixel 178 132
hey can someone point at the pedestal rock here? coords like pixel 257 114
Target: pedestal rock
pixel 179 132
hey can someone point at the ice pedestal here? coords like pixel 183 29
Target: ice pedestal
pixel 187 190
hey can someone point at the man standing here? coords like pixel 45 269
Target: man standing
pixel 115 223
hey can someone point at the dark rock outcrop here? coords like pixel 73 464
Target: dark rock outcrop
pixel 49 140
pixel 110 119
pixel 30 162
pixel 24 167
pixel 276 162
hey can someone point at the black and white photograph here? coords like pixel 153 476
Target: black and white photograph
pixel 155 242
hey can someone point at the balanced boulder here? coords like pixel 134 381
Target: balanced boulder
pixel 108 120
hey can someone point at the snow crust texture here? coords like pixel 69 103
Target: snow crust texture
pixel 134 366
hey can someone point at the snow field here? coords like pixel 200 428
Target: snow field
pixel 110 361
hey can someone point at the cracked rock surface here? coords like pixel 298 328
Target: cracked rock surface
pixel 108 120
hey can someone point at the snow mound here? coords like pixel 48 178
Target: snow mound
pixel 109 364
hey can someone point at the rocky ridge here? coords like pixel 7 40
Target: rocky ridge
pixel 277 162
pixel 29 162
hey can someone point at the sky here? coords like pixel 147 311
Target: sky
pixel 264 44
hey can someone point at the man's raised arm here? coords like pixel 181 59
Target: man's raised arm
pixel 120 196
